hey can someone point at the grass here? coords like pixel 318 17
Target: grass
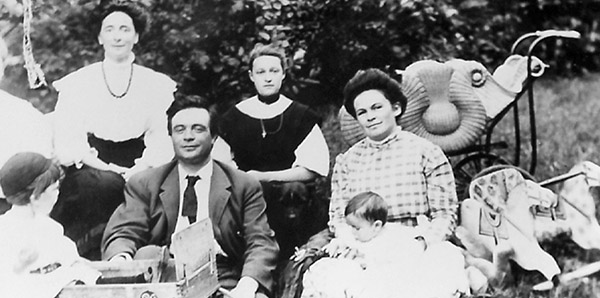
pixel 567 112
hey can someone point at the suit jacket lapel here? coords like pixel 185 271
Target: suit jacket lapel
pixel 169 196
pixel 219 193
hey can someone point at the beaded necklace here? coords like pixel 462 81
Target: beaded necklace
pixel 117 96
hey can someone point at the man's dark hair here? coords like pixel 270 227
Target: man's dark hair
pixel 183 102
pixel 135 11
pixel 373 79
pixel 268 50
pixel 369 206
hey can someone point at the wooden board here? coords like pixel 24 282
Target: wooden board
pixel 195 259
pixel 152 290
pixel 115 269
pixel 193 247
pixel 195 263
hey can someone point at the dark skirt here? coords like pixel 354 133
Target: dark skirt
pixel 88 196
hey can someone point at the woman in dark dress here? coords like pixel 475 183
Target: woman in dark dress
pixel 110 123
pixel 278 140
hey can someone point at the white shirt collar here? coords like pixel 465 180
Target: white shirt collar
pixel 257 109
pixel 202 188
pixel 204 173
pixel 393 135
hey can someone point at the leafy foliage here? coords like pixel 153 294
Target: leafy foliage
pixel 203 44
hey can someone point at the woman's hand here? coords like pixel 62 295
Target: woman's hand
pixel 339 249
pixel 132 171
pixel 333 247
pixel 117 169
pixel 126 173
pixel 298 173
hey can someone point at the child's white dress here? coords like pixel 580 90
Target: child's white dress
pixel 36 259
pixel 385 268
pixel 393 265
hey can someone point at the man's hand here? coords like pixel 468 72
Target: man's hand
pixel 246 288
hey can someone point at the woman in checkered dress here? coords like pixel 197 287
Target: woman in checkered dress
pixel 412 175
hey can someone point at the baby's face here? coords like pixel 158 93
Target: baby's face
pixel 362 229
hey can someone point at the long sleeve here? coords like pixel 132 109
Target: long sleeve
pixel 261 252
pixel 70 140
pixel 159 149
pixel 441 194
pixel 339 197
pixel 128 228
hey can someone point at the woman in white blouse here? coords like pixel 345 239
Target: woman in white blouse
pixel 110 124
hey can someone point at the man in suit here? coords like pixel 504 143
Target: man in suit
pixel 156 205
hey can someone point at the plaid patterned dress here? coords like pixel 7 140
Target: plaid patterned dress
pixel 412 174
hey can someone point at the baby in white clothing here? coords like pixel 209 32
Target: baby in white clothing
pixel 386 256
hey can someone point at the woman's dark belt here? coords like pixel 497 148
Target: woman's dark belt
pixel 122 153
pixel 405 221
pixel 46 269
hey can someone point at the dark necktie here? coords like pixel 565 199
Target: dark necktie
pixel 190 202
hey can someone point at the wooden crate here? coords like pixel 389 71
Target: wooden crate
pixel 194 263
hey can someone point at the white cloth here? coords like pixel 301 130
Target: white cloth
pixel 395 247
pixel 392 265
pixel 31 243
pixel 386 264
pixel 22 128
pixel 86 106
pixel 221 151
pixel 312 153
pixel 255 108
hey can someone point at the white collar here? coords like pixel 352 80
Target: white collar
pixel 204 173
pixel 390 138
pixel 260 110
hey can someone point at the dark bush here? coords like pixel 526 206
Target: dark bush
pixel 203 43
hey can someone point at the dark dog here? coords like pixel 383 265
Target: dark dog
pixel 294 214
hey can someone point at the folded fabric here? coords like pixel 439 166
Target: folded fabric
pixel 513 72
